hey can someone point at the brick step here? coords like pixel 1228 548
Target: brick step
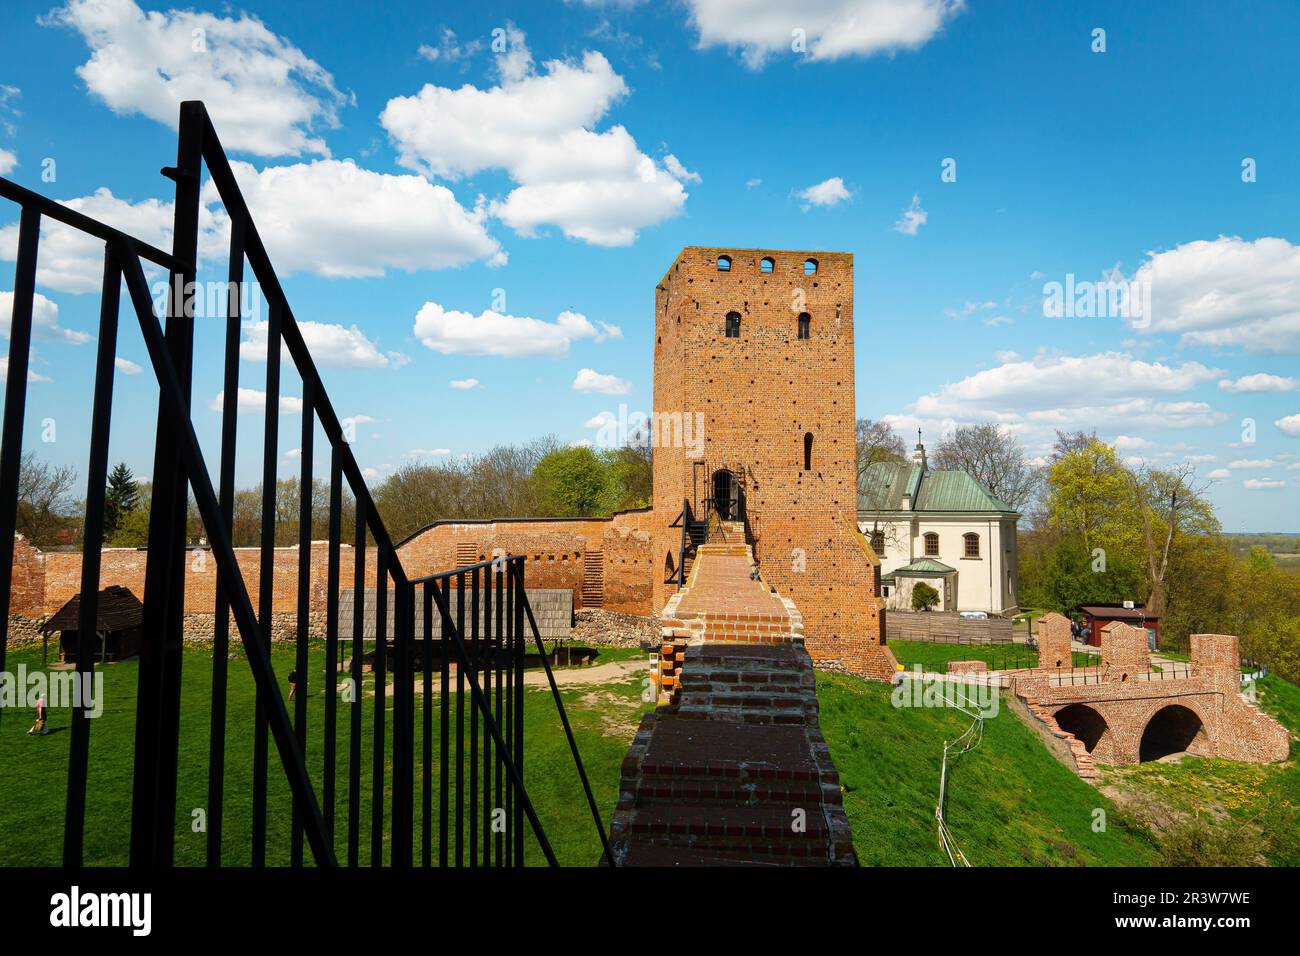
pixel 674 856
pixel 675 791
pixel 720 823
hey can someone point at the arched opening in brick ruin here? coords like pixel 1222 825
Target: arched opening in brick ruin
pixel 1172 730
pixel 724 494
pixel 1084 722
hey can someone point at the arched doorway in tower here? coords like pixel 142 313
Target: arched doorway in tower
pixel 1085 723
pixel 725 493
pixel 1173 729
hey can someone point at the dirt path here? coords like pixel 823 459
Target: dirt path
pixel 613 672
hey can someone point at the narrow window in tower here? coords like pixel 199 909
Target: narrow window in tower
pixel 724 263
pixel 766 264
pixel 805 325
pixel 733 325
pixel 807 451
pixel 810 267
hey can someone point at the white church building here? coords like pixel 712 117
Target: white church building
pixel 943 528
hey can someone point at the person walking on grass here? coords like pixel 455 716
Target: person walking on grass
pixel 293 683
pixel 39 727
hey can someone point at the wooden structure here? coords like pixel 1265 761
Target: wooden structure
pixel 118 626
pixel 1097 616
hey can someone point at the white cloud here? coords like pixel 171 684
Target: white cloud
pixel 449 49
pixel 8 162
pixel 264 94
pixel 540 128
pixel 832 28
pixel 371 222
pixel 601 420
pixel 71 260
pixel 1201 459
pixel 31 375
pixel 452 332
pixel 678 171
pixel 465 384
pixel 1031 397
pixel 1253 463
pixel 251 400
pixel 751 183
pixel 997 320
pixel 428 452
pixel 1220 473
pixel 589 380
pixel 45 320
pixel 1290 425
pixel 126 366
pixel 1263 483
pixel 293 453
pixel 331 346
pixel 912 218
pixel 828 192
pixel 1130 443
pixel 1260 382
pixel 1226 292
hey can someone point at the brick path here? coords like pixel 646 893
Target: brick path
pixel 732 768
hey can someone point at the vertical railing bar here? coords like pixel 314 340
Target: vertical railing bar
pixel 74 818
pixel 330 743
pixel 301 633
pixel 266 570
pixel 403 731
pixel 485 668
pixel 226 505
pixel 158 694
pixel 502 647
pixel 460 725
pixel 508 667
pixel 473 666
pixel 11 445
pixel 358 647
pixel 521 801
pixel 426 659
pixel 380 670
pixel 444 729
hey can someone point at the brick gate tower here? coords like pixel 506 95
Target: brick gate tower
pixel 754 406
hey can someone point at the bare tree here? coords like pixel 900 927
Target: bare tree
pixel 45 499
pixel 877 441
pixel 1170 502
pixel 992 457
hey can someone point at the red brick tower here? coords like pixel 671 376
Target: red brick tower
pixel 756 346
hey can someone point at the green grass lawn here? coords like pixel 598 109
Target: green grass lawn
pixel 935 657
pixel 32 786
pixel 1010 802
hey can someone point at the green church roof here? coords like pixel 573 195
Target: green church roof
pixel 883 485
pixel 924 566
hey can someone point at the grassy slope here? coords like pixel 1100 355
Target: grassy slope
pixel 1010 803
pixel 32 787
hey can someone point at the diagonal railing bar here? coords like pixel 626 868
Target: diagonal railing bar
pixel 494 653
pixel 259 658
pixel 568 730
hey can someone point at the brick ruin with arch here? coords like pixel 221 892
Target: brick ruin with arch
pixel 1125 712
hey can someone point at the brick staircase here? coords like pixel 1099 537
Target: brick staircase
pixel 1084 765
pixel 593 578
pixel 732 768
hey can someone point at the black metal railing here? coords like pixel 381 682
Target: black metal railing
pixel 486 652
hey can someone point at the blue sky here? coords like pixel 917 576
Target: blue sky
pixel 490 192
